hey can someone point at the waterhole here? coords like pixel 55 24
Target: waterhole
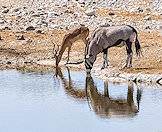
pixel 72 102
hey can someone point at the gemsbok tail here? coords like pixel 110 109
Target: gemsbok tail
pixel 137 43
pixel 138 47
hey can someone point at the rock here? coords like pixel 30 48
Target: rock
pixel 69 11
pixel 148 9
pixel 5 11
pixel 111 13
pixel 20 37
pixel 6 28
pixel 105 25
pixel 36 15
pixel 81 1
pixel 16 10
pixel 147 27
pixel 139 9
pixel 2 21
pixel 54 26
pixel 31 12
pixel 90 12
pixel 39 32
pixel 147 18
pixel 29 41
pixel 4 7
pixel 30 28
pixel 52 14
pixel 44 23
pixel 8 62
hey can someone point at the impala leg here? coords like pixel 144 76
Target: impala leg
pixel 86 46
pixel 69 49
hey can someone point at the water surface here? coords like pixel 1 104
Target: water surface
pixel 70 102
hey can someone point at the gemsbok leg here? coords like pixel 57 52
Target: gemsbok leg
pixel 129 53
pixel 105 62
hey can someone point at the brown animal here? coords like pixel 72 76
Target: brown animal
pixel 79 33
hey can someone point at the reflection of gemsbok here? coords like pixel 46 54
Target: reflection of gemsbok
pixel 105 106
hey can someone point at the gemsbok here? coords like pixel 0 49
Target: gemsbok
pixel 106 37
pixel 79 33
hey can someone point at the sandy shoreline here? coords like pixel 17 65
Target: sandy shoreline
pixel 17 53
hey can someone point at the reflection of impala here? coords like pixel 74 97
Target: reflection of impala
pixel 69 87
pixel 105 106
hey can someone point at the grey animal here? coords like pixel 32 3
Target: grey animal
pixel 105 37
pixel 106 106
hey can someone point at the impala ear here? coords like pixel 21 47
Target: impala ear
pixel 88 39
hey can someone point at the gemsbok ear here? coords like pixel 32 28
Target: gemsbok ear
pixel 99 38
